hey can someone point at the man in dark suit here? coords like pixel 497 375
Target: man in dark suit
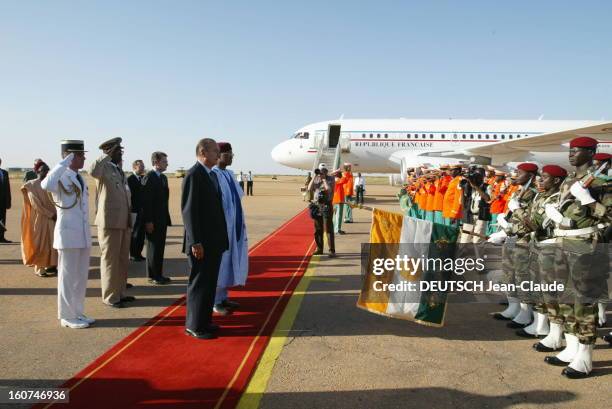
pixel 156 217
pixel 138 234
pixel 205 238
pixel 5 201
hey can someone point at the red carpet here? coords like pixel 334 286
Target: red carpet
pixel 159 366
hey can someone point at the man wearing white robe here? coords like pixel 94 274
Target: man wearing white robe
pixel 235 261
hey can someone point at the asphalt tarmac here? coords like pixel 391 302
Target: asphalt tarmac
pixel 334 355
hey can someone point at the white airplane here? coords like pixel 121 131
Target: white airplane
pixel 393 145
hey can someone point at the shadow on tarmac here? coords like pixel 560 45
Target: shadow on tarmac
pixel 130 393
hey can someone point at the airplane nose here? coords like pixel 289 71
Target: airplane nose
pixel 278 153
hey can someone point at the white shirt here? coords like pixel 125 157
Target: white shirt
pixel 359 181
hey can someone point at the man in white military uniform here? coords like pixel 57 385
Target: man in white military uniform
pixel 72 236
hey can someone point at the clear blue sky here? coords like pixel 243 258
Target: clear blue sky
pixel 162 74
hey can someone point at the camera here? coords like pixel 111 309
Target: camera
pixel 472 174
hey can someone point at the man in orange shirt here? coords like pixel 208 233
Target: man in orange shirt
pixel 348 192
pixel 420 197
pixel 430 192
pixel 441 187
pixel 498 199
pixel 451 208
pixel 338 201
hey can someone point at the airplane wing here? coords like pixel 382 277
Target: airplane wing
pixel 548 142
pixel 499 153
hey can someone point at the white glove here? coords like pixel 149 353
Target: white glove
pixel 497 237
pixel 501 220
pixel 552 213
pixel 67 161
pixel 581 194
pixel 513 204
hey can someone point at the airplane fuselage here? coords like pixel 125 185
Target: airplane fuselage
pixel 369 144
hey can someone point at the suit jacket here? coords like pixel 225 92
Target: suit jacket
pixel 155 197
pixel 136 192
pixel 72 227
pixel 5 190
pixel 202 210
pixel 112 195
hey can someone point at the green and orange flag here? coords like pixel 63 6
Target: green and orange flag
pixel 392 235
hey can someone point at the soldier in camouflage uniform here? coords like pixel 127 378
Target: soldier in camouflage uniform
pixel 542 253
pixel 581 217
pixel 515 252
pixel 599 159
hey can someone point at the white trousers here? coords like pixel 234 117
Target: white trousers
pixel 72 274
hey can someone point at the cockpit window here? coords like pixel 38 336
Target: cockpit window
pixel 300 135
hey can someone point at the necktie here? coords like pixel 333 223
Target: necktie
pixel 215 181
pixel 80 179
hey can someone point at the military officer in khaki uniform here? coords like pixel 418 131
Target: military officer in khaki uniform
pixel 581 217
pixel 113 221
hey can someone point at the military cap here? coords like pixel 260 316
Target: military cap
pixel 583 142
pixel 224 147
pixel 601 156
pixel 72 145
pixel 555 171
pixel 110 144
pixel 322 166
pixel 528 167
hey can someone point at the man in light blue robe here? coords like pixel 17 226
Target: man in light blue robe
pixel 235 261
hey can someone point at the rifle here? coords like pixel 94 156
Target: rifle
pixel 586 181
pixel 520 196
pixel 2 228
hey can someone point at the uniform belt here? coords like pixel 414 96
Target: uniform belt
pixel 547 241
pixel 578 232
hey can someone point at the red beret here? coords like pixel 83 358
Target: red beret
pixel 38 164
pixel 601 156
pixel 583 142
pixel 528 167
pixel 555 171
pixel 224 147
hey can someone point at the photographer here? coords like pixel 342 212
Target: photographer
pixel 322 188
pixel 476 207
